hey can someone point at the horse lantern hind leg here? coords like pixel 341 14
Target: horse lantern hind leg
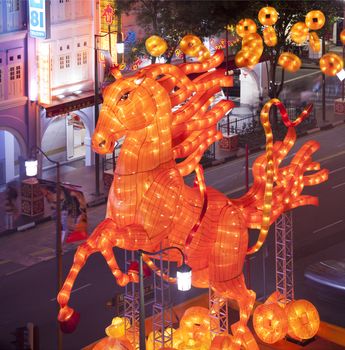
pixel 226 277
pixel 98 241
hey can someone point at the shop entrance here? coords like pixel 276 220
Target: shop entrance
pixel 75 137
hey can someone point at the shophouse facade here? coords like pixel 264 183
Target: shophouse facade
pixel 16 123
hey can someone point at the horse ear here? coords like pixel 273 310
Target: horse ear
pixel 139 80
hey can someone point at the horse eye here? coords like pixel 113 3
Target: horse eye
pixel 124 97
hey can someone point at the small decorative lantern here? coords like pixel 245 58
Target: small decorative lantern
pixel 31 167
pixel 184 277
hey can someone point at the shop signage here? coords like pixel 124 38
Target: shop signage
pixel 39 19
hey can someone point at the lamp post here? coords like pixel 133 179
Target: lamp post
pixel 31 170
pixel 119 50
pixel 184 281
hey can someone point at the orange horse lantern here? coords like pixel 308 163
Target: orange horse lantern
pixel 164 115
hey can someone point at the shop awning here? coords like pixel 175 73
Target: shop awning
pixel 70 103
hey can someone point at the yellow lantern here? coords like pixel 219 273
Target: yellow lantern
pixel 342 36
pixel 118 327
pixel 246 58
pixel 303 319
pixel 315 20
pixel 299 32
pixel 270 36
pixel 155 45
pixel 253 42
pixel 190 44
pixel 245 26
pixel 314 42
pixel 270 323
pixel 268 16
pixel 289 62
pixel 331 64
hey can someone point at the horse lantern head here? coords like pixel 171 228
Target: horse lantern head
pixel 127 106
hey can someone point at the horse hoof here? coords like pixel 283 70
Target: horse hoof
pixel 70 323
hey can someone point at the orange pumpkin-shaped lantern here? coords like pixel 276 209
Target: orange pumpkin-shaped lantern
pixel 303 319
pixel 342 36
pixel 268 16
pixel 289 62
pixel 314 42
pixel 299 32
pixel 246 58
pixel 155 45
pixel 222 342
pixel 245 26
pixel 331 64
pixel 190 44
pixel 315 20
pixel 196 323
pixel 253 42
pixel 270 36
pixel 270 323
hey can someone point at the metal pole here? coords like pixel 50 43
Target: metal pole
pixel 58 244
pixel 96 118
pixel 247 189
pixel 343 82
pixel 323 83
pixel 142 338
pixel 227 89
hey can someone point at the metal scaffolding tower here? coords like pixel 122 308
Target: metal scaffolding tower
pixel 219 315
pixel 284 256
pixel 131 305
pixel 162 320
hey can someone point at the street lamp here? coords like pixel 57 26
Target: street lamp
pixel 184 283
pixel 119 50
pixel 31 170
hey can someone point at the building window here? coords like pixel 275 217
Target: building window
pixel 61 1
pixel 68 61
pixel 11 73
pixel 11 58
pixel 78 58
pixel 13 5
pixel 62 62
pixel 84 57
pixel 18 72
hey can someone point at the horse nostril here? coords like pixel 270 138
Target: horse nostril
pixel 101 144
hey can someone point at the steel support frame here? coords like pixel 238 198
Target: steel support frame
pixel 219 313
pixel 284 256
pixel 162 311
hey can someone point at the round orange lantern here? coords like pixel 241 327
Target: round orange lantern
pixel 331 64
pixel 195 322
pixel 155 45
pixel 270 323
pixel 268 16
pixel 289 62
pixel 342 36
pixel 314 42
pixel 190 44
pixel 245 26
pixel 253 42
pixel 299 32
pixel 246 58
pixel 303 319
pixel 315 20
pixel 270 36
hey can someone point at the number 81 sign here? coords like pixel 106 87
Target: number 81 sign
pixel 39 18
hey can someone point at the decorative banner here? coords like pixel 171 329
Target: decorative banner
pixel 73 209
pixel 44 73
pixel 39 19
